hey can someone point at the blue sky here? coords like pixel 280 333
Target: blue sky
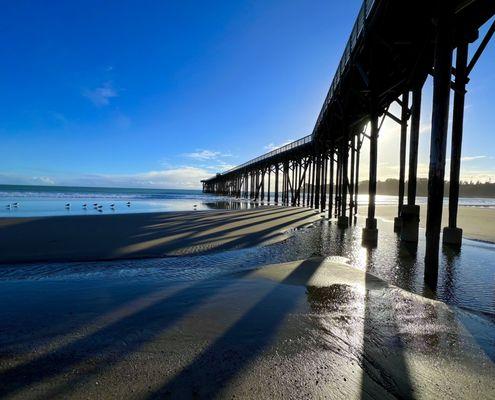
pixel 164 93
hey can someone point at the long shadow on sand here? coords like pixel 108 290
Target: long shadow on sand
pixel 383 361
pixel 83 238
pixel 111 343
pixel 260 322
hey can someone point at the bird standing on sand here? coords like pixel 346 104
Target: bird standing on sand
pixel 67 205
pixel 128 204
pixel 8 206
pixel 15 205
pixel 84 205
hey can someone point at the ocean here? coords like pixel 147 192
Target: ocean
pixel 35 201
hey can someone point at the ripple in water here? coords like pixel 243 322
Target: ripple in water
pixel 466 278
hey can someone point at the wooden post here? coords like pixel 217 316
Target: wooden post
pixel 330 186
pixel 343 221
pixel 402 159
pixel 276 183
pixel 324 182
pixel 351 184
pixel 317 181
pixel 439 126
pixel 262 185
pixel 356 182
pixel 313 166
pixel 452 235
pixel 370 231
pixel 269 170
pixel 338 184
pixel 410 212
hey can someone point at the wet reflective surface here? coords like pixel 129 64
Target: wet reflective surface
pixel 466 278
pixel 313 330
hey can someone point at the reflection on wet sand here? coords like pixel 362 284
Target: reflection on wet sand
pixel 313 328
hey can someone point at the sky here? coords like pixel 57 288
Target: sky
pixel 165 93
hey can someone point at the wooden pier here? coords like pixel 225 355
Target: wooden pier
pixel 393 47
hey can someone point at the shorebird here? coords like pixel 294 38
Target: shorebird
pixel 15 204
pixel 67 205
pixel 84 205
pixel 95 204
pixel 112 205
pixel 8 206
pixel 128 204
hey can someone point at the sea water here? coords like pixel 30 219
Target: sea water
pixel 34 201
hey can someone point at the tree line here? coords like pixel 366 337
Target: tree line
pixel 466 189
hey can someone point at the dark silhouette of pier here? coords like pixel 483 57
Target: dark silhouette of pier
pixel 393 47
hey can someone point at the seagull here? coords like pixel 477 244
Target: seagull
pixel 128 204
pixel 8 206
pixel 95 204
pixel 112 205
pixel 84 205
pixel 15 204
pixel 67 205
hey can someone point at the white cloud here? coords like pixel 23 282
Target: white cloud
pixel 203 155
pixel 101 95
pixel 184 177
pixel 272 146
pixel 471 158
pixel 18 179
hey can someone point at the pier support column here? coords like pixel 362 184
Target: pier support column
pixel 351 183
pixel 337 184
pixel 410 212
pixel 276 183
pixel 402 159
pixel 439 126
pixel 262 186
pixel 323 190
pixel 330 187
pixel 343 221
pixel 356 181
pixel 313 167
pixel 269 170
pixel 317 182
pixel 370 231
pixel 452 235
pixel 300 182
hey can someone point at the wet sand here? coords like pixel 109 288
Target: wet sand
pixel 313 328
pixel 476 222
pixel 120 236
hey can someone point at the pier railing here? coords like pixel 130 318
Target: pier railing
pixel 357 29
pixel 279 150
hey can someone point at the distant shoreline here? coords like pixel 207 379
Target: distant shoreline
pixel 101 189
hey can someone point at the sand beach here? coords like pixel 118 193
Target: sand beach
pixel 476 222
pixel 124 236
pixel 312 328
pixel 318 327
